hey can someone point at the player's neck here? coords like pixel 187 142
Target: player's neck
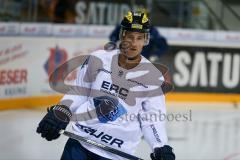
pixel 126 63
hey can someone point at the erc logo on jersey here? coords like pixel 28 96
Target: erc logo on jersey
pixel 114 90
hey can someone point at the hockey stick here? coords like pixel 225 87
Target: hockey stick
pixel 99 145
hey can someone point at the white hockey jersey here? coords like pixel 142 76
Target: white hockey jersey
pixel 133 108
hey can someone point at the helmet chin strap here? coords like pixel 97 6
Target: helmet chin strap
pixel 132 61
pixel 132 58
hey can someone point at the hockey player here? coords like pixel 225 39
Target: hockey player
pixel 115 110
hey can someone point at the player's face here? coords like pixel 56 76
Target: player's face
pixel 137 42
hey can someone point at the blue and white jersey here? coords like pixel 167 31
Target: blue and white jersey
pixel 118 106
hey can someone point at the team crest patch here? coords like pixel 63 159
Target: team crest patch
pixel 108 109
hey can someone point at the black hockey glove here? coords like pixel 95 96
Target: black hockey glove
pixel 163 153
pixel 57 118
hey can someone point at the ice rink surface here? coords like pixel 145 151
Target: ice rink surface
pixel 212 133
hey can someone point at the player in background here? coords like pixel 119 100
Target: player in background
pixel 157 43
pixel 114 92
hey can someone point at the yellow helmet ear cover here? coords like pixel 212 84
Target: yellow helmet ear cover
pixel 129 16
pixel 145 18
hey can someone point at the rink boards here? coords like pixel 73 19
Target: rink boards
pixel 26 63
